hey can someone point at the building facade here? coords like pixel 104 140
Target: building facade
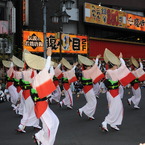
pixel 7 28
pixel 29 14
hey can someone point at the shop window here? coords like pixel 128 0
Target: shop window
pixel 1 13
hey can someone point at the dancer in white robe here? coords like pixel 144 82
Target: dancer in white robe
pixel 42 87
pixel 90 75
pixel 67 79
pixel 56 95
pixel 113 76
pixel 135 84
pixel 29 117
pixel 10 86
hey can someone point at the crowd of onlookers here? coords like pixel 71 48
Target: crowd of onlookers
pixel 4 94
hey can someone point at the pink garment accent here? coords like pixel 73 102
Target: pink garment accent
pixel 93 73
pixel 27 75
pixel 18 75
pixel 10 72
pixel 112 74
pixel 58 72
pixel 139 72
pixel 120 73
pixel 70 75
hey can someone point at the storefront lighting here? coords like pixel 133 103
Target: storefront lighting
pixel 99 4
pixel 55 18
pixel 64 17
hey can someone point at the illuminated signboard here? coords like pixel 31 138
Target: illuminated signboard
pixel 105 16
pixel 74 44
pixel 33 42
pixel 110 17
pixel 135 22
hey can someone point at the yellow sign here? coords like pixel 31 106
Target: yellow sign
pixel 105 16
pixel 33 42
pixel 74 44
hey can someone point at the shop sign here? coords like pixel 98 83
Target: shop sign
pixel 33 42
pixel 74 44
pixel 135 22
pixel 104 16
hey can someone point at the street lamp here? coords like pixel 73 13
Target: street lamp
pixel 44 25
pixel 63 16
pixel 55 18
pixel 68 4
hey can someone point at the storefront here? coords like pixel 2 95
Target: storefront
pixel 63 45
pixel 128 49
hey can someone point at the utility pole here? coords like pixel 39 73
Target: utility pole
pixel 44 25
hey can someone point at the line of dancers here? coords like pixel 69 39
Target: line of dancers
pixel 35 82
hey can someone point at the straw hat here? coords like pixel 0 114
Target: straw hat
pixel 17 61
pixel 105 58
pixel 35 61
pixel 134 62
pixel 66 63
pixel 25 51
pixel 109 56
pixel 6 63
pixel 84 60
pixel 55 64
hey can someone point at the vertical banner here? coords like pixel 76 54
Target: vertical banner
pixel 25 12
pixel 53 42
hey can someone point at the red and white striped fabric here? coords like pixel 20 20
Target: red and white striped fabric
pixel 10 74
pixel 124 75
pixel 70 75
pixel 93 73
pixel 140 74
pixel 58 73
pixel 43 83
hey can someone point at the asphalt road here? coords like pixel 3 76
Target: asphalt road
pixel 74 130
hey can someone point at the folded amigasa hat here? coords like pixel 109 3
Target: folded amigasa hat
pixel 134 62
pixel 17 62
pixel 111 57
pixel 6 63
pixel 66 63
pixel 84 60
